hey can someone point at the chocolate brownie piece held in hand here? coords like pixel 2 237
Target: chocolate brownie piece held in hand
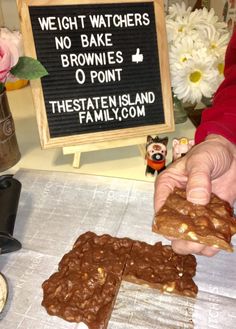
pixel 212 224
pixel 160 267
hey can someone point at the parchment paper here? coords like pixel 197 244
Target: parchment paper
pixel 55 208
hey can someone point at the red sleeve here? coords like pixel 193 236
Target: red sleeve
pixel 220 119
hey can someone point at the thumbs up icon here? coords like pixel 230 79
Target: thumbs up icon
pixel 137 57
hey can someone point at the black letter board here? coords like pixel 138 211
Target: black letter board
pixel 108 69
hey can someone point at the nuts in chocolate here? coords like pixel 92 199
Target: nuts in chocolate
pixel 89 276
pixel 159 267
pixel 212 224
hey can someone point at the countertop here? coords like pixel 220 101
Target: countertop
pixel 55 208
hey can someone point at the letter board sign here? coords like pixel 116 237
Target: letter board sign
pixel 108 69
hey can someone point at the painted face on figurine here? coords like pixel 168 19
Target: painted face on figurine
pixel 156 151
pixel 180 147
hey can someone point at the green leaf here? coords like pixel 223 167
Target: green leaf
pixel 28 68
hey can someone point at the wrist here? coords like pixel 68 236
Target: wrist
pixel 221 140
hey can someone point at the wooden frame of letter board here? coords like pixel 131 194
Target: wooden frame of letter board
pixel 136 135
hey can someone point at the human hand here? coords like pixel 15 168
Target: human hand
pixel 208 167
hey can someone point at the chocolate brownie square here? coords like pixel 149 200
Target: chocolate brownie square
pixel 88 279
pixel 161 268
pixel 212 224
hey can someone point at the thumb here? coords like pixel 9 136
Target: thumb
pixel 198 188
pixel 208 161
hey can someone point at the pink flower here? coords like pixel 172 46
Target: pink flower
pixel 14 37
pixel 9 56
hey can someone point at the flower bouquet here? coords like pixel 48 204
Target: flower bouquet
pixel 12 65
pixel 12 62
pixel 197 43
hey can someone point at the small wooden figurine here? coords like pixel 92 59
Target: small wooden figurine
pixel 156 151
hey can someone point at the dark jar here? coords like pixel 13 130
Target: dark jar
pixel 9 150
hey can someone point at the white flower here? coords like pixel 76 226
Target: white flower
pixel 210 18
pixel 219 65
pixel 177 10
pixel 216 42
pixel 183 50
pixel 181 26
pixel 197 43
pixel 196 79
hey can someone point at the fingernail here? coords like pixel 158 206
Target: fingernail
pixel 198 195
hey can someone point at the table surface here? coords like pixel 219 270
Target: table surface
pixel 55 208
pixel 123 162
pixel 120 205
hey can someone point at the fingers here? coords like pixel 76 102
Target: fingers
pixel 207 167
pixel 198 188
pixel 166 182
pixel 161 194
pixel 198 168
pixel 209 251
pixel 184 247
pixel 205 163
